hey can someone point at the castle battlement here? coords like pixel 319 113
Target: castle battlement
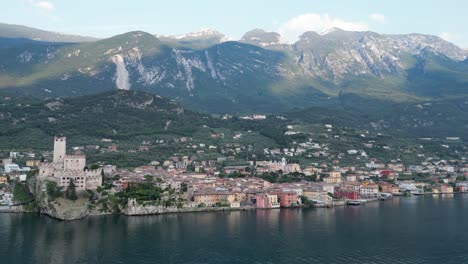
pixel 66 167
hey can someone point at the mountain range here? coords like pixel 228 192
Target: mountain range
pixel 259 73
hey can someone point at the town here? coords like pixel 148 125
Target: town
pixel 186 183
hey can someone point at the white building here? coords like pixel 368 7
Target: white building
pixel 369 191
pixel 405 186
pixel 66 168
pixel 11 167
pixel 6 198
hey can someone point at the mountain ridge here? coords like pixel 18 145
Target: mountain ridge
pixel 234 76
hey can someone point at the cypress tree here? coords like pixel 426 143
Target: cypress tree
pixel 102 176
pixel 70 193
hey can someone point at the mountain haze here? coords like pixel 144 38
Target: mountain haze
pixel 22 32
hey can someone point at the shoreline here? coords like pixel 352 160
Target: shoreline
pixel 20 210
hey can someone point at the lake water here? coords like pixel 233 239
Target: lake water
pixel 431 229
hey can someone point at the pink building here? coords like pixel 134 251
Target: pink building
pixel 288 199
pixel 262 201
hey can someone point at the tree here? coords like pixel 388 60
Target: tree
pixel 70 193
pixel 31 173
pixel 148 178
pixel 183 187
pixel 91 196
pixel 305 200
pixel 461 178
pixel 190 168
pixel 21 193
pixel 94 167
pixel 53 190
pixel 103 176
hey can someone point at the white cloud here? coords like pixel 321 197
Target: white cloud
pixel 380 18
pixel 448 36
pixel 294 27
pixel 41 5
pixel 454 38
pixel 46 5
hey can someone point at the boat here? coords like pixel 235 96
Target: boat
pixel 385 196
pixel 353 202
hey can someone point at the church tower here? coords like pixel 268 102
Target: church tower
pixel 60 146
pixel 283 163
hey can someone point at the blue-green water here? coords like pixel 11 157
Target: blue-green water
pixel 403 230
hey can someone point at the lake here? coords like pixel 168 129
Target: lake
pixel 429 229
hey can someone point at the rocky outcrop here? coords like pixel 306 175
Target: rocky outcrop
pixel 65 211
pixel 59 208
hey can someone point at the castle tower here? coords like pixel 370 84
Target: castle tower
pixel 60 146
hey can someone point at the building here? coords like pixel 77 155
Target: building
pixel 265 200
pixel 273 201
pixel 443 188
pixel 33 163
pixel 293 167
pixel 317 195
pixel 288 199
pixel 3 179
pixel 369 190
pixel 11 167
pixel 262 200
pixel 389 188
pixel 346 193
pixel 66 168
pixel 334 177
pixel 6 161
pixel 213 197
pixel 113 148
pixel 351 178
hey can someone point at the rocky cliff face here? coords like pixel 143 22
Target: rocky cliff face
pixel 199 39
pixel 262 38
pixel 339 54
pixel 63 210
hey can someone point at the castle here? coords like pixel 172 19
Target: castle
pixel 66 167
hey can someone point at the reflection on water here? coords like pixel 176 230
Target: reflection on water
pixel 421 229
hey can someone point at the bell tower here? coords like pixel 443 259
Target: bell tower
pixel 60 146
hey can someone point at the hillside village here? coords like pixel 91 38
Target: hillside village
pixel 307 173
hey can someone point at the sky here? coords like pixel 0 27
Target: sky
pixel 105 18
